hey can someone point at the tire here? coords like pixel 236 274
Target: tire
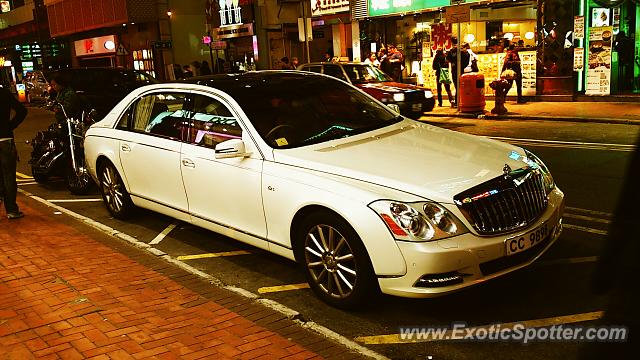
pixel 38 177
pixel 78 183
pixel 114 193
pixel 338 268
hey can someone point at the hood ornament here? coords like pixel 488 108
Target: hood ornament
pixel 506 170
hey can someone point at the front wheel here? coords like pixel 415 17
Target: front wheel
pixel 114 193
pixel 78 180
pixel 335 261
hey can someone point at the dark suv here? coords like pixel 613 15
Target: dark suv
pixel 103 88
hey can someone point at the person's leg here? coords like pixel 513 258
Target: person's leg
pixel 8 165
pixel 448 89
pixel 519 87
pixel 439 88
pixel 454 80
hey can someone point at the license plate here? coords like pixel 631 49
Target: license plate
pixel 416 107
pixel 530 239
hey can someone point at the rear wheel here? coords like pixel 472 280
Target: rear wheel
pixel 114 193
pixel 335 260
pixel 39 177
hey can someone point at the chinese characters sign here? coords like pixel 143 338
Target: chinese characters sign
pixel 327 7
pixel 386 7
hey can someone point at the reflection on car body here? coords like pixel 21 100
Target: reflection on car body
pixel 311 168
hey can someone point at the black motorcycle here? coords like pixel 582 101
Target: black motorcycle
pixel 59 151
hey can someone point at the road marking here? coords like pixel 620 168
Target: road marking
pixel 272 289
pixel 73 200
pixel 27 183
pixel 536 323
pixel 23 176
pixel 576 260
pixel 213 255
pixel 288 312
pixel 163 234
pixel 591 212
pixel 567 144
pixel 585 229
pixel 588 218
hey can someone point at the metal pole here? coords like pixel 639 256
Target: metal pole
pixel 306 38
pixel 458 73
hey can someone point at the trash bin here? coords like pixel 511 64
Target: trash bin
pixel 472 92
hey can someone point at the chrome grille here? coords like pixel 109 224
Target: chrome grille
pixel 504 204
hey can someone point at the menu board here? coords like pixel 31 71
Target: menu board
pixel 578 59
pixel 578 27
pixel 599 71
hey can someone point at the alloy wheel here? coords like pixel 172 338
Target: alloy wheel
pixel 112 189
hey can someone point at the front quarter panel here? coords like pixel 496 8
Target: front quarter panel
pixel 287 189
pixel 99 142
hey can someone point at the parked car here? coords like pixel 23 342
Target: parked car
pixel 412 100
pixel 102 88
pixel 313 169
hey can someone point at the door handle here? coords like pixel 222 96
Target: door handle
pixel 125 147
pixel 188 163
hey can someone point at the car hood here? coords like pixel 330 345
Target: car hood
pixel 413 157
pixel 389 87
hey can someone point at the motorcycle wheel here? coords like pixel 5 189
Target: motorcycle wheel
pixel 79 183
pixel 39 178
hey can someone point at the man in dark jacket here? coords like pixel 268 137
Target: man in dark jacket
pixel 8 152
pixel 452 58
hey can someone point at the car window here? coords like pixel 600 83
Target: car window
pixel 360 74
pixel 335 71
pixel 313 68
pixel 212 122
pixel 159 114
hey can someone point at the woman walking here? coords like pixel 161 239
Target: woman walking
pixel 443 77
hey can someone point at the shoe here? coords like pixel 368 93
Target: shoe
pixel 13 216
pixel 522 101
pixel 440 104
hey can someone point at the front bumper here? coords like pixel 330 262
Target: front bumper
pixel 468 258
pixel 416 107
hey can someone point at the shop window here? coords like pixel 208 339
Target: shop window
pixel 143 61
pixel 212 122
pixel 159 114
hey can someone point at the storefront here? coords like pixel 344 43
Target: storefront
pixel 333 31
pixel 234 39
pixel 607 52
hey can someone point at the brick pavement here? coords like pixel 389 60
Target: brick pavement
pixel 70 292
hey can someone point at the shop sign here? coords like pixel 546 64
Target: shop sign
pixel 441 36
pixel 95 46
pixel 386 7
pixel 578 59
pixel 599 70
pixel 230 13
pixel 234 31
pixel 458 14
pixel 5 6
pixel 578 27
pixel 328 7
pixel 600 17
pixel 29 51
pixel 162 44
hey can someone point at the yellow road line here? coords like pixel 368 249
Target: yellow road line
pixel 213 255
pixel 585 229
pixel 23 176
pixel 536 323
pixel 271 289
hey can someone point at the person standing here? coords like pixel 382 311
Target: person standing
pixel 67 98
pixel 440 65
pixel 295 63
pixel 8 152
pixel 452 58
pixel 396 62
pixel 512 62
pixel 204 68
pixel 372 59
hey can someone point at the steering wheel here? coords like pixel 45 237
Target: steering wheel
pixel 276 128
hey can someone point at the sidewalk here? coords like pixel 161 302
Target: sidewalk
pixel 66 293
pixel 607 112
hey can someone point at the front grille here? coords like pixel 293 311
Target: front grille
pixel 506 203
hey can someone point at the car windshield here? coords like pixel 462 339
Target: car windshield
pixel 362 74
pixel 292 110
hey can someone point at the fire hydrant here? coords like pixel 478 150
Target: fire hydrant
pixel 501 87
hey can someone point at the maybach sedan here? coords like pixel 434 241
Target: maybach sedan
pixel 311 168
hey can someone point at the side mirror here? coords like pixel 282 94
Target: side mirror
pixel 231 149
pixel 394 107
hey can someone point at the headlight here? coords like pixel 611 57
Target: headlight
pixel 398 97
pixel 428 94
pixel 421 221
pixel 535 162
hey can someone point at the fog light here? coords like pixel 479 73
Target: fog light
pixel 439 280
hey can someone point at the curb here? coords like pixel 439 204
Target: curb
pixel 534 117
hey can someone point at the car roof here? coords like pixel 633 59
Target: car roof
pixel 240 81
pixel 336 63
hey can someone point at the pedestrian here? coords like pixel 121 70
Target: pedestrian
pixel 195 67
pixel 472 65
pixel 443 77
pixel 8 152
pixel 327 57
pixel 177 71
pixel 285 63
pixel 372 59
pixel 67 98
pixel 452 58
pixel 294 63
pixel 204 68
pixel 512 62
pixel 396 62
pixel 186 72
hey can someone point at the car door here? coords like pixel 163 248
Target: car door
pixel 226 192
pixel 150 151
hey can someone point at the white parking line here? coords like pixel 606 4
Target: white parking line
pixel 576 260
pixel 73 200
pixel 163 234
pixel 587 218
pixel 536 323
pixel 585 229
pixel 568 144
pixel 272 289
pixel 213 255
pixel 586 211
pixel 27 183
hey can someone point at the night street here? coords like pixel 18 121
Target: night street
pixel 588 163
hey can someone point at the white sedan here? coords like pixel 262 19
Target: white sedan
pixel 311 168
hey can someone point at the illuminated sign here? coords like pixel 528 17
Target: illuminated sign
pixel 95 46
pixel 327 7
pixel 230 12
pixel 5 6
pixel 386 7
